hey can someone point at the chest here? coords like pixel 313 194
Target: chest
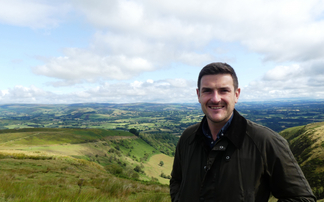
pixel 223 171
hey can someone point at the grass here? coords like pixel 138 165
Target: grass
pixel 140 148
pixel 273 199
pixel 40 166
pixel 46 143
pixel 58 179
pixel 306 143
pixel 152 167
pixel 55 136
pixel 289 131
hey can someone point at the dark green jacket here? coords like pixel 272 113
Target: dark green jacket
pixel 248 164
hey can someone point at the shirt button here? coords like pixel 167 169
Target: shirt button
pixel 228 157
pixel 222 134
pixel 212 142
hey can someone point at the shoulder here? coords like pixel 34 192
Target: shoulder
pixel 258 131
pixel 267 141
pixel 262 135
pixel 190 132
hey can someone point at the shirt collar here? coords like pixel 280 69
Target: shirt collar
pixel 235 132
pixel 207 133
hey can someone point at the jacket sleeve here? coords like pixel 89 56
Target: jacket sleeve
pixel 287 181
pixel 176 175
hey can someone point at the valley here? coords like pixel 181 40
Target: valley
pixel 124 152
pixel 152 117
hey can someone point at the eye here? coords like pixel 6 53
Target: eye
pixel 225 90
pixel 206 90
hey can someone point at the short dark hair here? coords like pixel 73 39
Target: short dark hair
pixel 218 68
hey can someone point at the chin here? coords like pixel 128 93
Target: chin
pixel 216 120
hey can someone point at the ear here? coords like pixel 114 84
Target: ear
pixel 237 94
pixel 198 94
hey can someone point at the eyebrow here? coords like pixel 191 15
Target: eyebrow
pixel 222 88
pixel 206 88
pixel 225 88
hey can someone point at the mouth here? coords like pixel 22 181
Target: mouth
pixel 213 107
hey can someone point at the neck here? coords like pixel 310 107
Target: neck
pixel 214 128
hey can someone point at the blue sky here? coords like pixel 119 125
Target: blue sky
pixel 125 51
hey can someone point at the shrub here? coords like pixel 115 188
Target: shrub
pixel 135 176
pixel 138 169
pixel 114 169
pixel 161 163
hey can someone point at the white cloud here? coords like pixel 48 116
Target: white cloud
pixel 164 91
pixel 80 65
pixel 32 13
pixel 21 94
pixel 138 36
pixel 148 91
pixel 283 72
pixel 150 81
pixel 3 93
pixel 295 81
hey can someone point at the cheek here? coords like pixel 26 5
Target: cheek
pixel 201 100
pixel 204 99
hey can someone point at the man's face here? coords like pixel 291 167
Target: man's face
pixel 217 97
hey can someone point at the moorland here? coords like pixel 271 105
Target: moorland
pixel 124 152
pixel 61 164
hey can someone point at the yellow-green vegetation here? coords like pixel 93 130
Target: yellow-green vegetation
pixel 162 172
pixel 69 179
pixel 307 145
pixel 79 165
pixel 273 199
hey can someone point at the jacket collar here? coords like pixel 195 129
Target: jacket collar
pixel 237 130
pixel 235 133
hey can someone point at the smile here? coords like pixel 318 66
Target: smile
pixel 215 107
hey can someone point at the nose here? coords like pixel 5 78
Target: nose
pixel 215 97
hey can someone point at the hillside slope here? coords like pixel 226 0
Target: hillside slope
pixel 43 158
pixel 307 145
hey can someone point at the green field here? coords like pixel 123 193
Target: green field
pixel 92 142
pixel 48 164
pixel 153 118
pixel 70 180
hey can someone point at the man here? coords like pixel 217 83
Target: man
pixel 228 158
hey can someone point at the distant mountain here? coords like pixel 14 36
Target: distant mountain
pixel 307 144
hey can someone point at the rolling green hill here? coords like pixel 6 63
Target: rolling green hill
pixel 307 145
pixel 42 164
pixel 57 164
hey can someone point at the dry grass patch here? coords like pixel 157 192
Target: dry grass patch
pixel 152 167
pixel 37 155
pixel 63 149
pixel 16 154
